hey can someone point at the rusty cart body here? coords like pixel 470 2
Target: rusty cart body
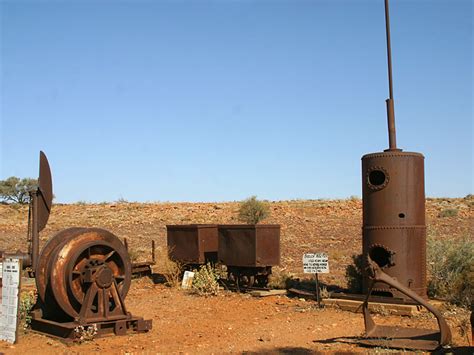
pixel 192 244
pixel 249 252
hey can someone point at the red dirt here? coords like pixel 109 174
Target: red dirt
pixel 232 322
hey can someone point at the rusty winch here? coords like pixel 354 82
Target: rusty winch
pixel 82 274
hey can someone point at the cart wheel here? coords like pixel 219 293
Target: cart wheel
pixel 247 280
pixel 262 280
pixel 231 277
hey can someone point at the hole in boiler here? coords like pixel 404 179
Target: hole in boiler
pixel 376 177
pixel 401 215
pixel 383 294
pixel 381 256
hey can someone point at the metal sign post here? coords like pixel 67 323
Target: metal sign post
pixel 11 278
pixel 316 263
pixel 318 296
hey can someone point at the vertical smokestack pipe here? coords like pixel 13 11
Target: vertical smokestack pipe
pixel 392 137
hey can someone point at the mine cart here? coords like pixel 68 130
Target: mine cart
pixel 192 244
pixel 249 251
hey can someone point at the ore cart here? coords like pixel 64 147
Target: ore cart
pixel 249 251
pixel 192 245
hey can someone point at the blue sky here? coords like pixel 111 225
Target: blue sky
pixel 220 100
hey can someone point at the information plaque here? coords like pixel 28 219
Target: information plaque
pixel 11 276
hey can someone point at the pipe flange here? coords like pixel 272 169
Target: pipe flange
pixel 381 255
pixel 377 178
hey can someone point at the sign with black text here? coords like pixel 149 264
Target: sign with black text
pixel 315 263
pixel 11 276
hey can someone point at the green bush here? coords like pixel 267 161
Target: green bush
pixel 253 211
pixel 448 212
pixel 206 280
pixel 27 301
pixel 451 270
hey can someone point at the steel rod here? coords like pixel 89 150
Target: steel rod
pixel 392 137
pixel 34 234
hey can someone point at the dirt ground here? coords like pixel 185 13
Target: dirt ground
pixel 232 322
pixel 228 323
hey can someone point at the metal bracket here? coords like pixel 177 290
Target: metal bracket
pixel 398 337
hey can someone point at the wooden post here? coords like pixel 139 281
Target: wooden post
pixel 318 296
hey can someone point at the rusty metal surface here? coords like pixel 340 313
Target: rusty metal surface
pixel 249 245
pixel 398 337
pixel 66 331
pixel 192 243
pixel 82 278
pixel 245 278
pixel 472 322
pixel 69 263
pixel 39 210
pixel 394 230
pixel 44 264
pixel 393 198
pixel 45 192
pixel 392 137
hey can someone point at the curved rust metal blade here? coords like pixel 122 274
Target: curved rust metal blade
pixel 45 189
pixel 398 337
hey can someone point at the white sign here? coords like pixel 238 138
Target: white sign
pixel 11 275
pixel 315 263
pixel 187 279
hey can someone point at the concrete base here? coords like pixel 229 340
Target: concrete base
pixel 259 293
pixel 375 307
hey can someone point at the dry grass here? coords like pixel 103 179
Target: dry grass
pixel 171 270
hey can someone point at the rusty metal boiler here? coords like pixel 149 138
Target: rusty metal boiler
pixel 393 199
pixel 394 230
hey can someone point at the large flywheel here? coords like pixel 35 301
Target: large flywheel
pixel 84 273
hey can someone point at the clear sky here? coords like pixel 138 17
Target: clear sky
pixel 220 100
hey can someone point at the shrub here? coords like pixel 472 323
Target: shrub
pixel 121 200
pixel 27 301
pixel 133 254
pixel 354 274
pixel 206 280
pixel 17 190
pixel 448 212
pixel 253 211
pixel 85 334
pixel 170 270
pixel 279 279
pixel 451 270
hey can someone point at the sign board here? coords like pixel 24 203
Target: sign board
pixel 187 280
pixel 11 276
pixel 315 263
